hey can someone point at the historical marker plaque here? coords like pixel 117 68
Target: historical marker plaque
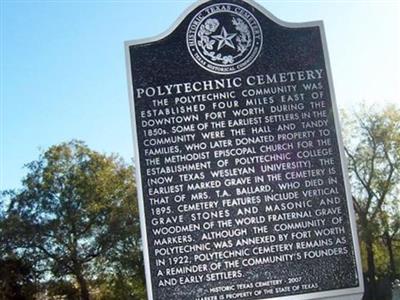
pixel 241 180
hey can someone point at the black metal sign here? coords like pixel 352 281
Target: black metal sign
pixel 242 186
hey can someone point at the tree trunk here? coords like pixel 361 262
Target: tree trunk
pixel 389 244
pixel 84 291
pixel 371 264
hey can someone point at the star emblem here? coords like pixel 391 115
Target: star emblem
pixel 224 38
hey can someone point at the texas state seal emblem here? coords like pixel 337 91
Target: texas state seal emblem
pixel 224 38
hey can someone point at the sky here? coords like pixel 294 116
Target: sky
pixel 63 73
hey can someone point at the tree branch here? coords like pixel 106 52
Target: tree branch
pixel 370 192
pixel 386 185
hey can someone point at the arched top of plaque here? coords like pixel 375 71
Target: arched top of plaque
pixel 226 36
pixel 244 3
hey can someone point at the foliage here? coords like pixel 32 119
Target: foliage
pixel 121 287
pixel 76 216
pixel 381 258
pixel 373 151
pixel 16 279
pixel 62 288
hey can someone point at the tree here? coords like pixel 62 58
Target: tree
pixel 16 279
pixel 390 232
pixel 77 207
pixel 373 151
